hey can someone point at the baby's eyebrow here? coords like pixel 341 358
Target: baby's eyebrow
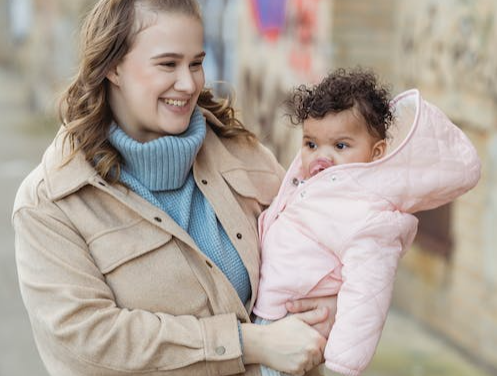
pixel 343 138
pixel 307 136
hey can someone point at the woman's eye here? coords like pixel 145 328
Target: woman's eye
pixel 341 146
pixel 196 65
pixel 168 64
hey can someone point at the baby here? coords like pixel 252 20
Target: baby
pixel 348 130
pixel 344 214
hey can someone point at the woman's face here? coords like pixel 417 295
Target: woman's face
pixel 154 89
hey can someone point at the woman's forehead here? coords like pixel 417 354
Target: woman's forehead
pixel 167 28
pixel 146 13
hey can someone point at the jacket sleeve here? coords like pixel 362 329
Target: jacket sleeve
pixel 370 258
pixel 80 330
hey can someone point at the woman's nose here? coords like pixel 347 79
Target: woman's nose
pixel 185 82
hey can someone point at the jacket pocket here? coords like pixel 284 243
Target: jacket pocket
pixel 146 269
pixel 116 246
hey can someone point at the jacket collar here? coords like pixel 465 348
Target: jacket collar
pixel 62 177
pixel 213 149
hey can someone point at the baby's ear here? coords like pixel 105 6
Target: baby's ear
pixel 379 150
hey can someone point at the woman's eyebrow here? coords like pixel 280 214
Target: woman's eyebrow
pixel 176 55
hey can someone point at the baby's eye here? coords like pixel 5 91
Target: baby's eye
pixel 311 145
pixel 341 146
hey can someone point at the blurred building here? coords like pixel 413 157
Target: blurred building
pixel 444 48
pixel 285 43
pixel 40 41
pixel 264 47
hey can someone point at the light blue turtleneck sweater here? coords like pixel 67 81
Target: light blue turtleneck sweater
pixel 161 172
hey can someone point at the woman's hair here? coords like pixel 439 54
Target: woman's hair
pixel 106 37
pixel 342 90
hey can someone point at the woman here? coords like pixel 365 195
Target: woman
pixel 113 285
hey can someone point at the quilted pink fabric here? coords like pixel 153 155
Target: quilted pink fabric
pixel 344 230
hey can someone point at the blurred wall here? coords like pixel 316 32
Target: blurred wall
pixel 295 42
pixel 446 49
pixel 4 35
pixel 283 43
pixel 41 43
pixel 221 36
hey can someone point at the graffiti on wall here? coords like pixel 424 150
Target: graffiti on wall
pixel 286 49
pixel 269 17
pixel 303 29
pixel 294 22
pixel 452 42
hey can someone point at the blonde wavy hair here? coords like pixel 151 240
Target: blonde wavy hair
pixel 106 37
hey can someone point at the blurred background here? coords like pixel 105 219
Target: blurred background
pixel 444 315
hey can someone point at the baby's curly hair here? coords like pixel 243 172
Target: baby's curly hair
pixel 342 90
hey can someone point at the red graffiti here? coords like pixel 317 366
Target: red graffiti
pixel 295 20
pixel 269 17
pixel 304 28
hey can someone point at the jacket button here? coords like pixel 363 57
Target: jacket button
pixel 220 350
pixel 295 181
pixel 239 236
pixel 204 182
pixel 158 219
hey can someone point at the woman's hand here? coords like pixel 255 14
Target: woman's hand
pixel 289 345
pixel 304 305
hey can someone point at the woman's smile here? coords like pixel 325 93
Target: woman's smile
pixel 155 88
pixel 177 106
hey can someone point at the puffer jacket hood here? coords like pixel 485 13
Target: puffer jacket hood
pixel 419 181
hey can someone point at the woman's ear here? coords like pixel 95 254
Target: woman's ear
pixel 113 76
pixel 379 150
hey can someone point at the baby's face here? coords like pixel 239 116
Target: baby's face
pixel 336 139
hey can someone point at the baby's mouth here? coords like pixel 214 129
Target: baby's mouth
pixel 319 165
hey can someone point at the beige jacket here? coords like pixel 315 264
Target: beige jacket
pixel 113 286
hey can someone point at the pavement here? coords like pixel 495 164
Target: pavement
pixel 407 348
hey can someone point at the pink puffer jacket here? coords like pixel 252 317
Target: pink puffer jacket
pixel 345 229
